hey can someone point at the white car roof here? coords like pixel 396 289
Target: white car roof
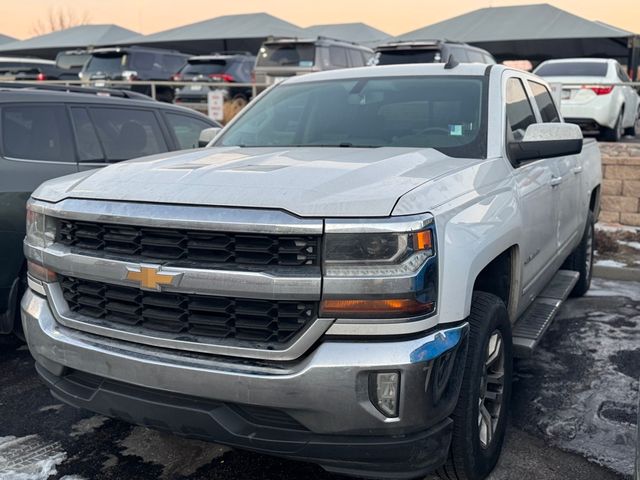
pixel 26 59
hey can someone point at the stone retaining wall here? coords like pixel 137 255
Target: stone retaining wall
pixel 621 184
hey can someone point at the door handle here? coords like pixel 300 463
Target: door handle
pixel 555 181
pixel 576 170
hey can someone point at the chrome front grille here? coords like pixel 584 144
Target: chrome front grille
pixel 146 244
pixel 183 316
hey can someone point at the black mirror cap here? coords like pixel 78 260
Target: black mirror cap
pixel 525 151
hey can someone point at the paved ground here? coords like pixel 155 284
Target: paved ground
pixel 575 400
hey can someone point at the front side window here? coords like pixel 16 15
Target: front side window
pixel 186 129
pixel 519 112
pixel 37 132
pixel 443 112
pixel 543 99
pixel 128 133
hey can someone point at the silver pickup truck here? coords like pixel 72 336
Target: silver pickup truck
pixel 343 276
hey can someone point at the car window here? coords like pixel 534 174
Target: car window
pixel 287 55
pixel 172 63
pixel 459 54
pixel 338 56
pixel 572 69
pixel 87 143
pixel 37 132
pixel 142 61
pixel 475 56
pixel 355 59
pixel 186 129
pixel 622 74
pixel 417 55
pixel 519 112
pixel 543 99
pixel 127 133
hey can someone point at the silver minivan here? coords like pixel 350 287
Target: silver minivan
pixel 281 58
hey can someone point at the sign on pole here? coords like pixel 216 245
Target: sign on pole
pixel 215 104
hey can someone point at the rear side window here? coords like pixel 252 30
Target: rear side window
pixel 572 69
pixel 543 99
pixel 127 133
pixel 186 129
pixel 37 132
pixel 519 112
pixel 87 143
pixel 475 56
pixel 338 57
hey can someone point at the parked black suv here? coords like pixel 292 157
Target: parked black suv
pixel 70 63
pixel 134 64
pixel 430 51
pixel 218 67
pixel 13 68
pixel 46 133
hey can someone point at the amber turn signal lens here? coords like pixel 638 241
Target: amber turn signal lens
pixel 41 273
pixel 394 307
pixel 423 240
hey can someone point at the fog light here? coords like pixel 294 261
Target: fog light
pixel 385 390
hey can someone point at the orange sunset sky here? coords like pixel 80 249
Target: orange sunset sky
pixel 18 17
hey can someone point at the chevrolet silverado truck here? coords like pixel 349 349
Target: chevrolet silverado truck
pixel 342 276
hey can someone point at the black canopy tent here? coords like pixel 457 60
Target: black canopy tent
pixel 83 36
pixel 535 32
pixel 227 33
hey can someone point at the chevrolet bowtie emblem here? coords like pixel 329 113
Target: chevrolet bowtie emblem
pixel 150 278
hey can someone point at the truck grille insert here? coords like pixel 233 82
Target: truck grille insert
pixel 156 244
pixel 267 321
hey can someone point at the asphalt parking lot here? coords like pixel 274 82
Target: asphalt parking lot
pixel 573 414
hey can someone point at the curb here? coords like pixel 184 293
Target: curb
pixel 617 273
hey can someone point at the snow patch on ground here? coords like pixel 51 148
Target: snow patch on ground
pixel 617 228
pixel 635 245
pixel 29 458
pixel 87 425
pixel 610 263
pixel 178 456
pixel 51 408
pixel 587 397
pixel 611 288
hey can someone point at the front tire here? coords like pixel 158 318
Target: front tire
pixel 480 417
pixel 581 260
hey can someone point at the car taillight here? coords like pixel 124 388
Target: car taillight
pixel 599 89
pixel 223 77
pixel 41 76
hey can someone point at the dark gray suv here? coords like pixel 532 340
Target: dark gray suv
pixel 430 51
pixel 46 133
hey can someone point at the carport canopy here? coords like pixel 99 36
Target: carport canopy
pixel 83 36
pixel 360 33
pixel 6 39
pixel 244 32
pixel 535 32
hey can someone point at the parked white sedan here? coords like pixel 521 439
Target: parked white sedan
pixel 589 100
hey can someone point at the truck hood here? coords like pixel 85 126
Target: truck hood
pixel 304 181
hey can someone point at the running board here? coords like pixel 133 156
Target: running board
pixel 533 323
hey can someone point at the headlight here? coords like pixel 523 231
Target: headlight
pixel 41 230
pixel 368 259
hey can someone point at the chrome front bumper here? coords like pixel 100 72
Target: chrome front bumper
pixel 326 391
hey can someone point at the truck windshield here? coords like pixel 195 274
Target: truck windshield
pixel 287 55
pixel 446 113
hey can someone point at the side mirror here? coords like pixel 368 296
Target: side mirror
pixel 207 135
pixel 546 140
